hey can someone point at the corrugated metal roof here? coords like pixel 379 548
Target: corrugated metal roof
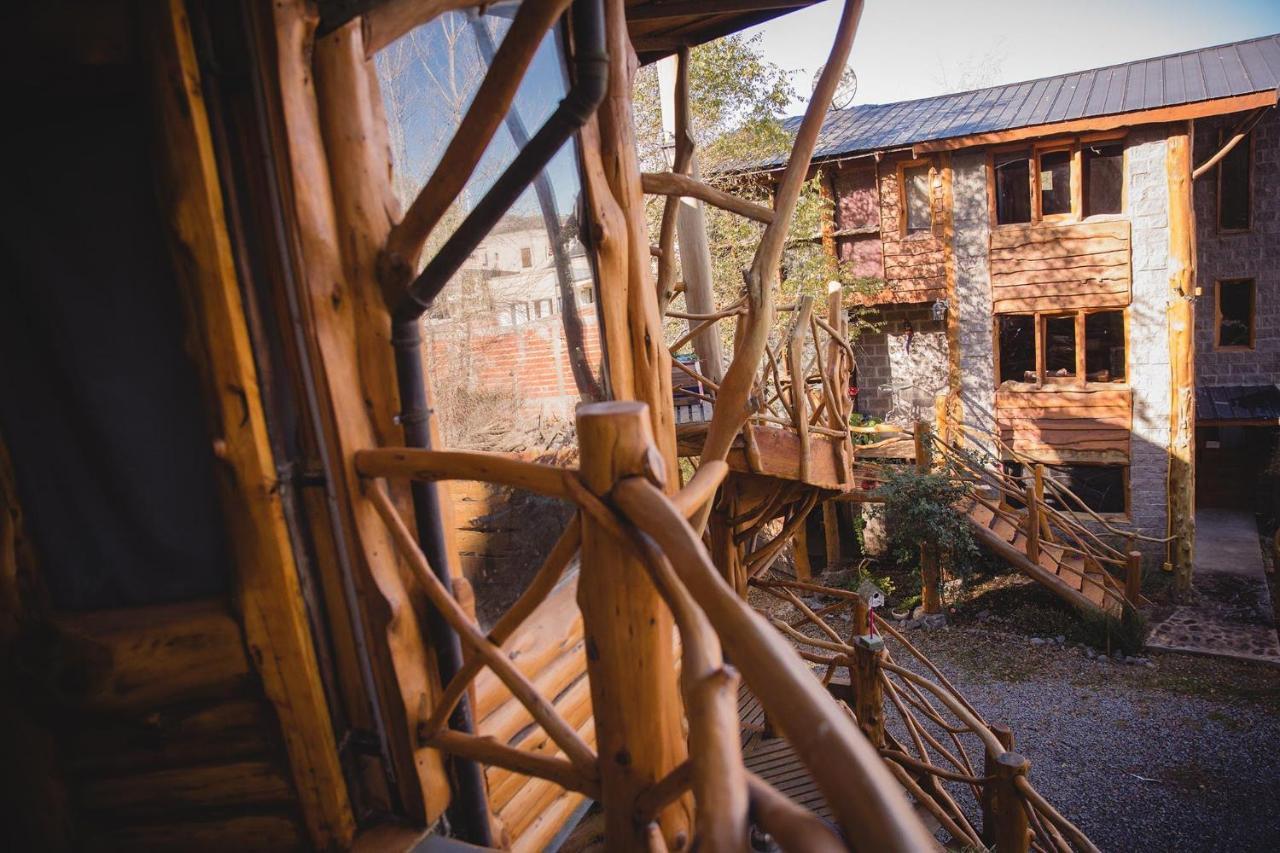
pixel 1239 68
pixel 1238 403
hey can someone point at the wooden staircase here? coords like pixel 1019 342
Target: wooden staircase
pixel 1062 569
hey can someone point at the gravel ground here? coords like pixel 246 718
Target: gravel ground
pixel 1183 754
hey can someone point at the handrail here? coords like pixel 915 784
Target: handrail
pixel 875 677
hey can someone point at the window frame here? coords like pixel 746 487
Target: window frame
pixel 1217 202
pixel 1218 346
pixel 1080 379
pixel 1075 145
pixel 903 167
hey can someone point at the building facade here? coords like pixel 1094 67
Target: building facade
pixel 1024 236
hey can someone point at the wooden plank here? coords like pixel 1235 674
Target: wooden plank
pixel 186 789
pixel 1046 399
pixel 1019 262
pixel 1066 281
pixel 269 596
pixel 277 830
pixel 779 456
pixel 1062 303
pixel 402 662
pixel 154 656
pixel 1037 232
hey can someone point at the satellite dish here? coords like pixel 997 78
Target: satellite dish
pixel 846 88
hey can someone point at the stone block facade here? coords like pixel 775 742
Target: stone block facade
pixel 1251 254
pixel 902 364
pixel 1148 209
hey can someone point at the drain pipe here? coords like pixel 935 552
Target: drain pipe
pixel 469 814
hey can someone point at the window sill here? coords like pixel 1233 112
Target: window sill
pixel 1051 386
pixel 1217 348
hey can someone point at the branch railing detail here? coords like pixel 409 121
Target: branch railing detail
pixel 928 734
pixel 709 616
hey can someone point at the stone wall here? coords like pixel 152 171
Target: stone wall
pixel 1252 254
pixel 897 366
pixel 971 245
pixel 1148 202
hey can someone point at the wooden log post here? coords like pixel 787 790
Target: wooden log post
pixel 839 368
pixel 1010 831
pixel 800 552
pixel 930 572
pixel 628 631
pixel 1133 579
pixel 799 394
pixel 1181 313
pixel 1004 734
pixel 1032 498
pixel 868 688
pixel 831 533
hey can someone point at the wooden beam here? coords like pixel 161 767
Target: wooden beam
pixel 660 11
pixel 268 594
pixel 1160 115
pixel 670 183
pixel 1182 349
pixel 389 20
pixel 403 665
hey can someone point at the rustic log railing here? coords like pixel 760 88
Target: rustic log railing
pixel 618 492
pixel 927 732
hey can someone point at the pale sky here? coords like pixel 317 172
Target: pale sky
pixel 926 47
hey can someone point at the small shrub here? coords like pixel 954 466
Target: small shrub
pixel 920 507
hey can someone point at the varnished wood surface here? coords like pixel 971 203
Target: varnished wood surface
pixel 1041 267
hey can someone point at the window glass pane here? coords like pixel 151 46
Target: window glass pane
pixel 1013 192
pixel 1233 187
pixel 1017 348
pixel 1103 178
pixel 1099 487
pixel 1060 346
pixel 919 208
pixel 1054 182
pixel 1104 359
pixel 506 367
pixel 1235 313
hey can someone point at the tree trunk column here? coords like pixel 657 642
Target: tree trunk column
pixel 930 572
pixel 628 629
pixel 1182 354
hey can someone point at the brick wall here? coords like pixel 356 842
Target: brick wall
pixel 529 361
pixel 1253 254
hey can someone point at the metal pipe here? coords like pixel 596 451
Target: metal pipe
pixel 469 815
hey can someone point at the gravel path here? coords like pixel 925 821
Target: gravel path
pixel 1203 734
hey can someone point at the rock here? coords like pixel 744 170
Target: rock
pixel 934 620
pixel 1038 641
pixel 1060 640
pixel 1090 653
pixel 841 578
pixel 983 615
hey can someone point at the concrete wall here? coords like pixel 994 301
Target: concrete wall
pixel 1148 200
pixel 1253 254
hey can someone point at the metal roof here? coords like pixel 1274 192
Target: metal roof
pixel 1239 68
pixel 1238 403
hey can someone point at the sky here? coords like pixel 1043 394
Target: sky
pixel 928 47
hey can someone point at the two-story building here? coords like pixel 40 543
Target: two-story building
pixel 1085 266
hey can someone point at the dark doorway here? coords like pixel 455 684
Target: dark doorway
pixel 1230 461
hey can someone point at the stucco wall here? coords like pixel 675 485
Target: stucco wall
pixel 1253 254
pixel 1148 200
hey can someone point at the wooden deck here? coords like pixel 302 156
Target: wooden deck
pixel 773 760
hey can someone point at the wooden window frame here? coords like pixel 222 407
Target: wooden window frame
pixel 1217 315
pixel 902 167
pixel 1248 190
pixel 1075 145
pixel 1079 380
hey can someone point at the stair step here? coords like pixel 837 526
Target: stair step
pixel 1004 529
pixel 1071 571
pixel 981 514
pixel 1093 589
